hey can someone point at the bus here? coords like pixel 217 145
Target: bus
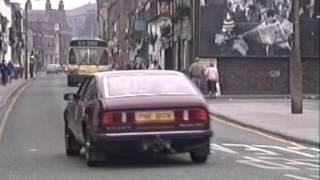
pixel 86 56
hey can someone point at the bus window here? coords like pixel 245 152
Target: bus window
pixel 104 58
pixel 72 57
pixel 93 57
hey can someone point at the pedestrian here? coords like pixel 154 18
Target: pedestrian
pixel 212 78
pixel 155 65
pixel 4 73
pixel 11 71
pixel 196 72
pixel 31 66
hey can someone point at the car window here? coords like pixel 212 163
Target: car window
pixel 83 88
pixel 91 92
pixel 147 85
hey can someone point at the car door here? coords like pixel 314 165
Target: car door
pixel 76 126
pixel 89 104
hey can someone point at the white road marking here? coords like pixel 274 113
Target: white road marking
pixel 315 149
pixel 259 163
pixel 315 176
pixel 216 147
pixel 287 150
pixel 257 132
pixel 290 161
pixel 32 150
pixel 297 177
pixel 7 113
pixel 252 148
pixel 305 148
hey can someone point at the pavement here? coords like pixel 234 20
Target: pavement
pixel 272 116
pixel 7 91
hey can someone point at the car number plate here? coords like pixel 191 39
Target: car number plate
pixel 158 116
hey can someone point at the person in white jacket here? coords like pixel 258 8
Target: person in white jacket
pixel 155 66
pixel 212 77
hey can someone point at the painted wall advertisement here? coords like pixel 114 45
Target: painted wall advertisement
pixel 262 27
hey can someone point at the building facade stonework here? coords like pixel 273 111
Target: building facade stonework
pixel 49 34
pixel 83 20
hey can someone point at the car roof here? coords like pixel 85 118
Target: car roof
pixel 138 72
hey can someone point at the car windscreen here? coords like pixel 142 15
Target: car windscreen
pixel 135 85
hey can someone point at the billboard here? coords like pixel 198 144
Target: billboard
pixel 256 28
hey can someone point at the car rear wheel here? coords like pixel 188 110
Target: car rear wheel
pixel 199 158
pixel 200 155
pixel 92 155
pixel 72 145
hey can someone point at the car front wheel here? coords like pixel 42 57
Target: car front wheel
pixel 72 145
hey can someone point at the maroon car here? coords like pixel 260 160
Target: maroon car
pixel 137 111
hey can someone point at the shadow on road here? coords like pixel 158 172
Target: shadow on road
pixel 140 161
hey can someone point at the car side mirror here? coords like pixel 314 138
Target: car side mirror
pixel 70 97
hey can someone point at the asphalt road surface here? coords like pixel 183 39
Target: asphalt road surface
pixel 32 148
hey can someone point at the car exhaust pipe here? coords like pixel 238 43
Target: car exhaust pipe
pixel 158 145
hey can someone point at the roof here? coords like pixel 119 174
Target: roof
pixel 82 9
pixel 136 72
pixel 37 15
pixel 54 16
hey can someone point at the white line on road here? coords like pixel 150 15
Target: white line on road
pixel 252 148
pixel 297 177
pixel 287 150
pixel 216 147
pixel 263 164
pixel 33 150
pixel 304 148
pixel 315 176
pixel 7 113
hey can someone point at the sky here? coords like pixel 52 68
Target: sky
pixel 68 4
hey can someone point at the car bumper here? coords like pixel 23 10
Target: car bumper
pixel 177 141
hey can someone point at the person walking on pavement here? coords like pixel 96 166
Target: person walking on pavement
pixel 4 73
pixel 212 77
pixel 31 66
pixel 10 71
pixel 196 72
pixel 155 65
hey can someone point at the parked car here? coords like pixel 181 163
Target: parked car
pixel 137 111
pixel 53 68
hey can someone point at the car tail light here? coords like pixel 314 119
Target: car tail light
pixel 112 118
pixel 182 115
pixel 191 115
pixel 198 115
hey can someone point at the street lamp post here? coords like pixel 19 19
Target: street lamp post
pixel 26 43
pixel 296 74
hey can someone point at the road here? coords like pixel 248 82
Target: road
pixel 32 148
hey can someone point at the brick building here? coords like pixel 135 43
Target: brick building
pixel 137 30
pixel 49 33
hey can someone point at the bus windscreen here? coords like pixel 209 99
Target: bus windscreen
pixel 88 56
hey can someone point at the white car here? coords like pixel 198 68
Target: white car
pixel 53 68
